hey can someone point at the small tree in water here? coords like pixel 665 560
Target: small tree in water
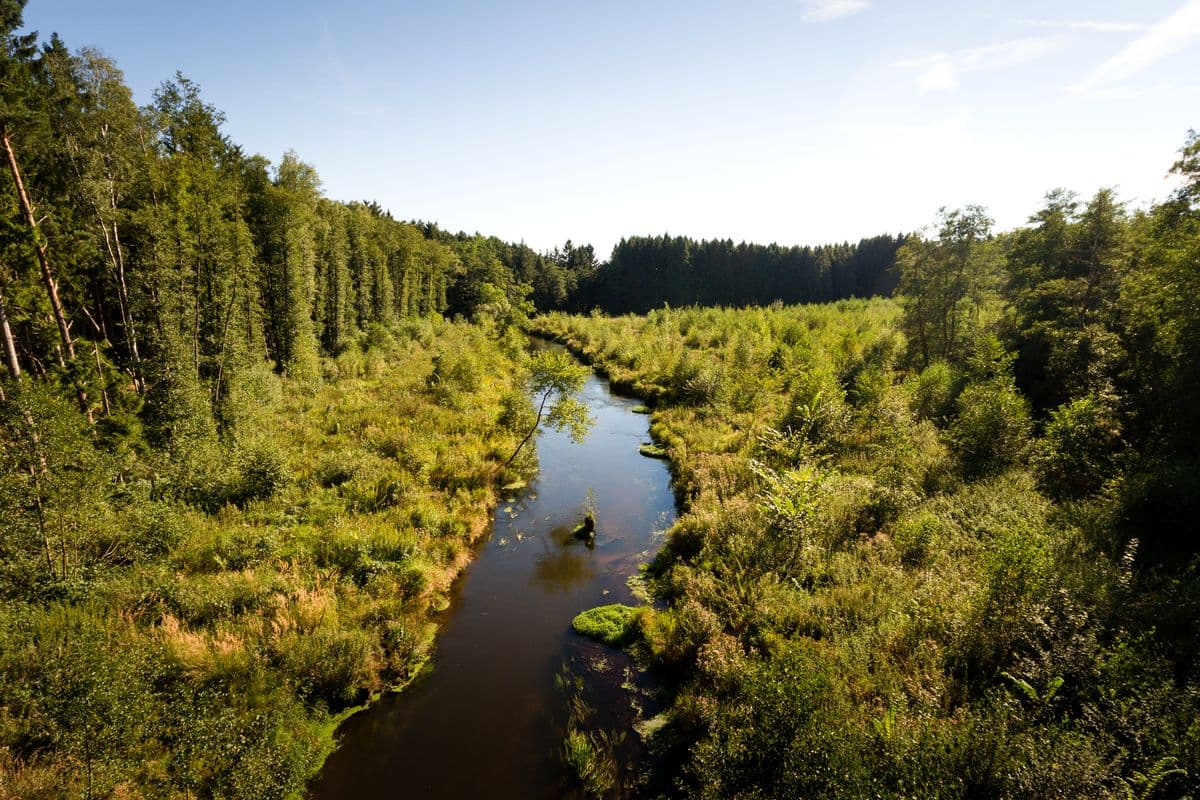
pixel 554 379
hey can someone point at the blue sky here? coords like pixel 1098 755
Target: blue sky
pixel 797 121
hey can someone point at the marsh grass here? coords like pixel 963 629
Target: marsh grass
pixel 225 615
pixel 870 592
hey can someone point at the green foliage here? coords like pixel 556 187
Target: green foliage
pixel 247 456
pixel 1078 444
pixel 915 537
pixel 262 473
pixel 186 625
pixel 992 429
pixel 935 392
pixel 553 379
pixel 589 754
pixel 945 284
pixel 646 272
pixel 869 594
pixel 611 624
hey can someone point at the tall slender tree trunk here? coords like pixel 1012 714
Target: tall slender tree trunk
pixel 10 346
pixel 532 431
pixel 100 381
pixel 67 352
pixel 43 254
pixel 116 259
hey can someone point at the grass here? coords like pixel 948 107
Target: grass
pixel 849 582
pixel 244 632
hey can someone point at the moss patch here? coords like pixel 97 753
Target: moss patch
pixel 652 450
pixel 611 624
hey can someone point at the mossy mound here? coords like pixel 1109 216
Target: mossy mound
pixel 611 624
pixel 652 450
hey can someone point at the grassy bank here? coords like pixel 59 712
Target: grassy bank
pixel 873 591
pixel 194 623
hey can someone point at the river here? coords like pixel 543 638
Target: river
pixel 488 720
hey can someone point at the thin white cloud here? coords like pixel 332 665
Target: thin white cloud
pixel 1163 92
pixel 1166 38
pixel 941 71
pixel 1087 25
pixel 826 10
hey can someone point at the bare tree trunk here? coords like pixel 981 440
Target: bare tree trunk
pixel 43 255
pixel 41 513
pixel 532 431
pixel 10 346
pixel 100 381
pixel 127 322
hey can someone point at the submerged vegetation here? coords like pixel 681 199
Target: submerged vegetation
pixel 940 546
pixel 590 754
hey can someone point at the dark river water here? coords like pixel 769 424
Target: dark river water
pixel 488 720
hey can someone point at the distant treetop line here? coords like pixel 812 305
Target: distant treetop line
pixel 181 260
pixel 646 272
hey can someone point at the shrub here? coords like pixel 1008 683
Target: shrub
pixel 455 373
pixel 913 537
pixel 693 382
pixel 337 469
pixel 992 429
pixel 262 472
pixel 1013 589
pixel 817 409
pixel 1074 454
pixel 328 666
pixel 934 392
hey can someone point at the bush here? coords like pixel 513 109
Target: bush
pixel 327 666
pixel 337 469
pixel 817 409
pixel 455 373
pixel 913 537
pixel 262 472
pixel 693 382
pixel 934 392
pixel 1074 455
pixel 992 430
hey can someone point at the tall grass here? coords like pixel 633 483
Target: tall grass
pixel 877 589
pixel 217 615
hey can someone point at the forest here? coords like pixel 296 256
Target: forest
pixel 647 272
pixel 938 491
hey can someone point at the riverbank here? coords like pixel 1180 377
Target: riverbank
pixel 872 592
pixel 223 614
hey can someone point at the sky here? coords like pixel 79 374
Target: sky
pixel 789 121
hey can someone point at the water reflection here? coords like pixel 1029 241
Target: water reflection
pixel 564 563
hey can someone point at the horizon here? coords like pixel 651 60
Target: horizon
pixel 834 121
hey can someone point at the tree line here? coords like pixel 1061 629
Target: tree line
pixel 1087 316
pixel 144 249
pixel 943 545
pixel 645 272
